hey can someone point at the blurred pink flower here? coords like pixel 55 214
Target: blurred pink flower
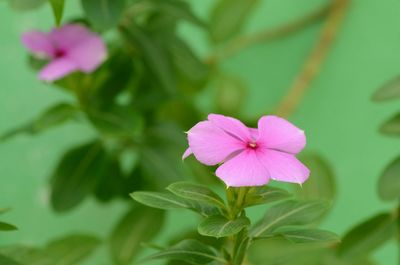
pixel 69 48
pixel 249 157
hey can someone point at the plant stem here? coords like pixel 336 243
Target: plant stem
pixel 313 65
pixel 398 230
pixel 242 43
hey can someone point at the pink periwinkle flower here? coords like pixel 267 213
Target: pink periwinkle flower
pixel 69 48
pixel 249 157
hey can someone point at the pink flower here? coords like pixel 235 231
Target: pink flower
pixel 249 157
pixel 69 48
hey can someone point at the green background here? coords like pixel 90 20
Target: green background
pixel 337 114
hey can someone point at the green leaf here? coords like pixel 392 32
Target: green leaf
pixel 7 261
pixel 154 56
pixel 159 200
pixel 220 226
pixel 240 248
pixel 389 182
pixel 391 90
pixel 264 194
pixel 196 192
pixel 139 225
pixel 228 17
pixel 367 236
pixel 25 5
pixel 7 227
pixel 174 8
pixel 321 184
pixel 103 14
pixel 392 126
pixel 77 175
pixel 58 9
pixel 310 236
pixel 287 214
pixel 52 117
pixel 189 250
pixel 117 121
pixel 71 250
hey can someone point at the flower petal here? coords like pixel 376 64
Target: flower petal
pixel 243 170
pixel 68 36
pixel 187 153
pixel 211 145
pixel 38 43
pixel 231 126
pixel 277 133
pixel 283 166
pixel 57 69
pixel 88 54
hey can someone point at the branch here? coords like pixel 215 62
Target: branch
pixel 242 43
pixel 313 65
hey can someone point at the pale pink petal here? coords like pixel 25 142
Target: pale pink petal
pixel 279 134
pixel 88 54
pixel 253 133
pixel 187 153
pixel 231 126
pixel 69 35
pixel 57 69
pixel 283 166
pixel 211 145
pixel 38 43
pixel 243 170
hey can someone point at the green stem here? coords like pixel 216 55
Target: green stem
pixel 398 230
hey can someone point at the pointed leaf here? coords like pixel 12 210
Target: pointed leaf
pixel 228 17
pixel 287 214
pixel 220 226
pixel 52 117
pixel 58 9
pixel 391 90
pixel 139 225
pixel 264 195
pixel 159 200
pixel 196 192
pixel 77 175
pixel 367 236
pixel 103 14
pixel 389 182
pixel 7 227
pixel 310 236
pixel 189 250
pixel 392 126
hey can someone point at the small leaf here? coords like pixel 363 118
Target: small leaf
pixel 220 226
pixel 191 251
pixel 321 184
pixel 159 200
pixel 391 90
pixel 139 225
pixel 228 17
pixel 392 126
pixel 77 175
pixel 367 236
pixel 287 214
pixel 58 9
pixel 103 14
pixel 7 227
pixel 154 55
pixel 71 250
pixel 389 182
pixel 310 236
pixel 196 192
pixel 52 117
pixel 264 195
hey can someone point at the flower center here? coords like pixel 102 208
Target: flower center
pixel 59 53
pixel 252 145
